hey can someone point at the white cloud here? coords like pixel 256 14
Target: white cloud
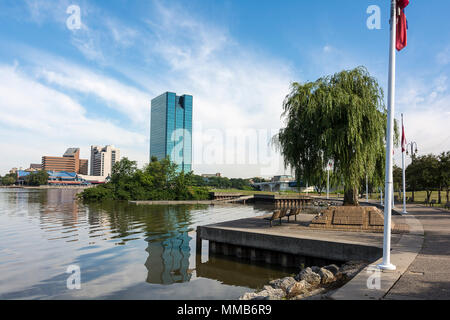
pixel 426 114
pixel 130 101
pixel 37 120
pixel 233 86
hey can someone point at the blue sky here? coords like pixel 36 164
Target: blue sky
pixel 63 88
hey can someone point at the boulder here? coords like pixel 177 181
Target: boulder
pixel 315 269
pixel 326 276
pixel 309 276
pixel 297 288
pixel 269 293
pixel 332 268
pixel 282 283
pixel 249 296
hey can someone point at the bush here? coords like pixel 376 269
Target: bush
pixel 8 179
pixel 159 180
pixel 98 193
pixel 37 178
pixel 199 193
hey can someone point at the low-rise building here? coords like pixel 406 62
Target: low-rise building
pixel 69 162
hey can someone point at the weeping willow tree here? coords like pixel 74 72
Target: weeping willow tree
pixel 341 118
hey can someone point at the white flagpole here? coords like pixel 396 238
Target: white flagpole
pixel 386 264
pixel 404 171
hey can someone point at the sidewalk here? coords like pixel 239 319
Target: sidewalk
pixel 428 277
pixel 422 259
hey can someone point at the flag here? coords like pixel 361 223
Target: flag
pixel 402 24
pixel 403 138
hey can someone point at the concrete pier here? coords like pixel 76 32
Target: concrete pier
pixel 289 244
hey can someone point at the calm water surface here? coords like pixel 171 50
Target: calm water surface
pixel 124 251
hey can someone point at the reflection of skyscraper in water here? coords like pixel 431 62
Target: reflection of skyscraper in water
pixel 168 259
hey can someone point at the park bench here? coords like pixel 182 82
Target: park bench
pixel 284 213
pixel 432 203
pixel 293 212
pixel 275 215
pixel 447 205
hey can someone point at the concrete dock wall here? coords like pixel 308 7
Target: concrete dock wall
pixel 282 250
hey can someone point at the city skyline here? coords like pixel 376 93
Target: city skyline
pixel 93 85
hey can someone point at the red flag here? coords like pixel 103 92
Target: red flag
pixel 402 24
pixel 403 138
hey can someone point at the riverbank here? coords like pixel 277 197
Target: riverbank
pixel 45 187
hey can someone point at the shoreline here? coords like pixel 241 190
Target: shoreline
pixel 45 187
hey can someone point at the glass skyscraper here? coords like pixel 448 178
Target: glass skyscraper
pixel 171 129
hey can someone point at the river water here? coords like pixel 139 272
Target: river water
pixel 123 251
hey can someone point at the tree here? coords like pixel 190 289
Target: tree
pixel 37 178
pixel 340 118
pixel 397 175
pixel 158 180
pixel 423 173
pixel 9 179
pixel 444 173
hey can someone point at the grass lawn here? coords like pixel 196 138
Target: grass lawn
pixel 419 197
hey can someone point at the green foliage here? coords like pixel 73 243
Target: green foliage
pixel 340 118
pixel 99 193
pixel 424 174
pixel 158 180
pixel 397 175
pixel 37 178
pixel 444 172
pixel 9 179
pixel 221 182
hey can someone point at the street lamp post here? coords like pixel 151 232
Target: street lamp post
pixel 413 153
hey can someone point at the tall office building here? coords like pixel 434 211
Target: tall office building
pixel 103 159
pixel 70 162
pixel 171 129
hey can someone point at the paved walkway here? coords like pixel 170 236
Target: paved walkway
pixel 428 276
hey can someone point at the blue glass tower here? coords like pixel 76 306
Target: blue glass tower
pixel 171 129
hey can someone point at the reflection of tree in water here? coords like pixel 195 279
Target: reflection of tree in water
pixel 125 219
pixel 166 229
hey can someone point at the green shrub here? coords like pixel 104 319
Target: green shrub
pixel 159 180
